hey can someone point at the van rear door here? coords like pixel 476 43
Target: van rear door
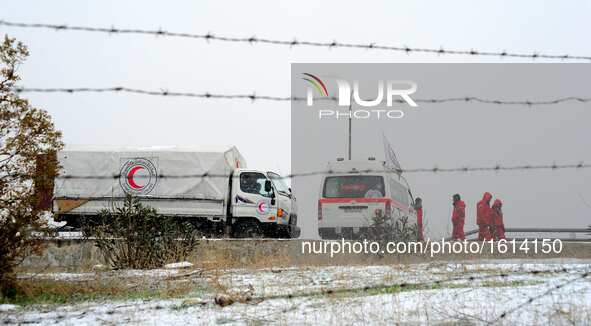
pixel 351 200
pixel 401 203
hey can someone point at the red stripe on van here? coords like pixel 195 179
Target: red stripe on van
pixel 363 200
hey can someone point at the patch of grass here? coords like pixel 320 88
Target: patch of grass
pixel 30 292
pixel 412 287
pixel 398 288
pixel 514 283
pixel 224 320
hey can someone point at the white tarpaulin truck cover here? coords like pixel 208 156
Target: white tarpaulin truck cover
pixel 156 172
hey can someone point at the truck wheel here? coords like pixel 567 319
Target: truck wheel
pixel 294 232
pixel 248 230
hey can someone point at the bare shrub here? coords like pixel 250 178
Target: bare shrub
pixel 387 229
pixel 135 236
pixel 405 231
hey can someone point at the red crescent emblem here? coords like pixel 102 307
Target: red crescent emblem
pixel 263 207
pixel 130 176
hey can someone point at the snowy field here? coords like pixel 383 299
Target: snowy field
pixel 505 292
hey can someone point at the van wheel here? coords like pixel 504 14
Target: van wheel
pixel 248 230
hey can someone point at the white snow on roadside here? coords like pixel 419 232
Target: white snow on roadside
pixel 7 307
pixel 152 273
pixel 293 281
pixel 48 216
pixel 183 264
pixel 468 301
pixel 58 276
pixel 131 273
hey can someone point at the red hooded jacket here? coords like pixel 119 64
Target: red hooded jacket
pixel 483 210
pixel 420 222
pixel 497 213
pixel 459 214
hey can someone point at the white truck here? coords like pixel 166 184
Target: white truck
pixel 354 192
pixel 210 187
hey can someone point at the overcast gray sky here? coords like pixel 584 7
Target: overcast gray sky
pixel 261 130
pixel 458 134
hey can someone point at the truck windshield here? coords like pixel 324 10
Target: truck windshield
pixel 278 182
pixel 353 186
pixel 254 183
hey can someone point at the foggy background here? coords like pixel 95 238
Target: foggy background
pixel 458 134
pixel 261 130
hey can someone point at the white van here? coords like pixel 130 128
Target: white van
pixel 354 192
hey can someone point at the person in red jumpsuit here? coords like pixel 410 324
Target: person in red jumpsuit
pixel 497 220
pixel 483 217
pixel 458 218
pixel 419 209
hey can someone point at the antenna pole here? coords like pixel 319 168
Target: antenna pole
pixel 350 122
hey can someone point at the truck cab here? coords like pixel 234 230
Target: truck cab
pixel 356 191
pixel 262 204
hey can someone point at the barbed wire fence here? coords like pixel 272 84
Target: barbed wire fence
pixel 255 97
pixel 435 169
pixel 458 313
pixel 505 276
pixel 209 36
pixel 464 276
pixel 581 276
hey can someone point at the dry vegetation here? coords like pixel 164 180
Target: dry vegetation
pixel 47 291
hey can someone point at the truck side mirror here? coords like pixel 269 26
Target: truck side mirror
pixel 268 187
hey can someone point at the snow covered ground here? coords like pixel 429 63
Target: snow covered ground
pixel 509 292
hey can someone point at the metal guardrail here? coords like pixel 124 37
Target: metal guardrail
pixel 584 232
pixel 550 230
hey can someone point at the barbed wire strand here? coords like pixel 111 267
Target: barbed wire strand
pixel 255 97
pixel 545 293
pixel 295 42
pixel 464 169
pixel 438 282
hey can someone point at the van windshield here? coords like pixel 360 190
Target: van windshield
pixel 353 186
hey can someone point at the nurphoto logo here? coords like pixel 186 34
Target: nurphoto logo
pixel 392 91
